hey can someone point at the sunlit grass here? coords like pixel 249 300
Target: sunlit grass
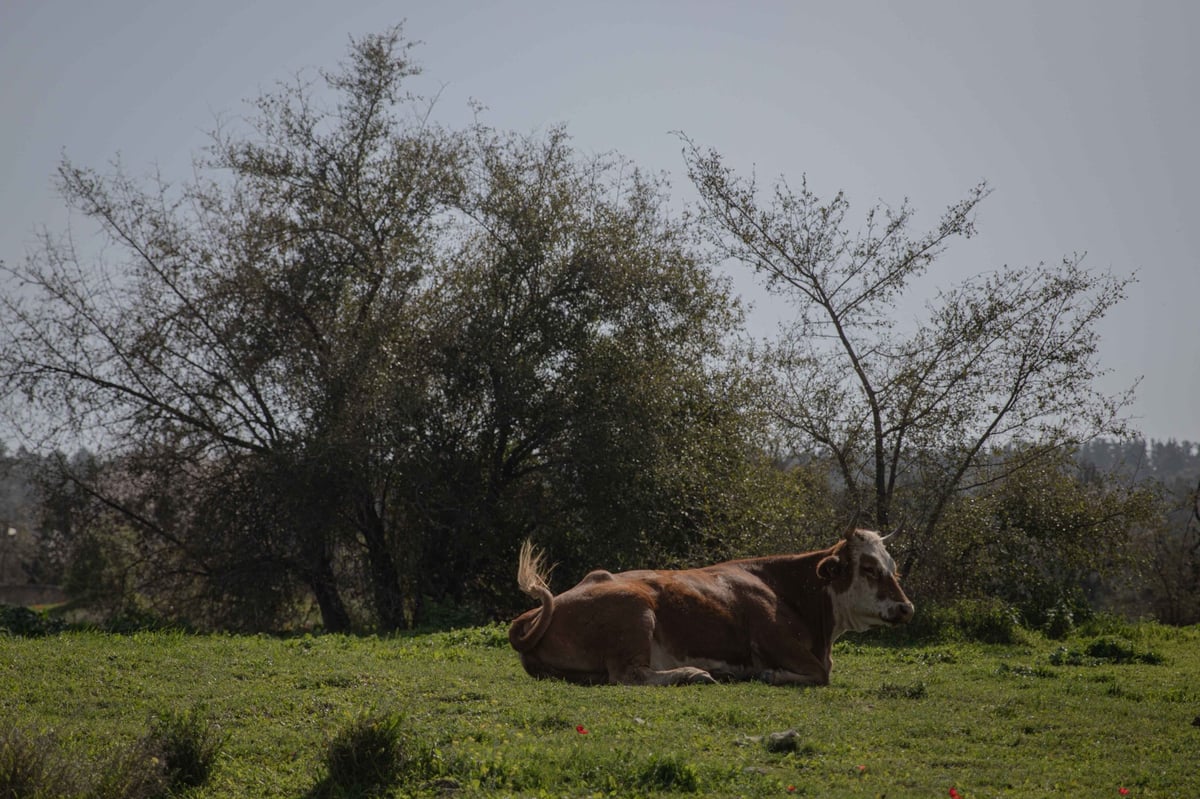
pixel 902 720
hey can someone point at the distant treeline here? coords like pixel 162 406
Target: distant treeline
pixel 54 536
pixel 1172 462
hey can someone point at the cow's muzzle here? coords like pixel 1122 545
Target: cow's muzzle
pixel 899 614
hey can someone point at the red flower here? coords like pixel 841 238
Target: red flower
pixel 954 794
pixel 1123 791
pixel 862 770
pixel 582 730
pixel 791 789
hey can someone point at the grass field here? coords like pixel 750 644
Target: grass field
pixel 1084 717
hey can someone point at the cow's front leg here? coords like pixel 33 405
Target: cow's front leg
pixel 799 666
pixel 644 675
pixel 785 677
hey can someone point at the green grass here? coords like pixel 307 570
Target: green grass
pixel 1030 719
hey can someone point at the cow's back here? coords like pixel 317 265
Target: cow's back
pixel 704 617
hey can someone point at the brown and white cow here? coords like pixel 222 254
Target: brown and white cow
pixel 771 618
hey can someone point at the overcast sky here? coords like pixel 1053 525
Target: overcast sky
pixel 1083 116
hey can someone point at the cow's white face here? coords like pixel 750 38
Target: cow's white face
pixel 864 586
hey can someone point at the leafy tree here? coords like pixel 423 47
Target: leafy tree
pixel 586 375
pixel 361 356
pixel 1006 356
pixel 247 322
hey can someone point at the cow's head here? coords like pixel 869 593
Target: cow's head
pixel 863 583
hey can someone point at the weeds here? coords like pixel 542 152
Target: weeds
pixel 29 765
pixel 177 753
pixel 186 744
pixel 134 772
pixel 669 773
pixel 365 758
pixel 1104 650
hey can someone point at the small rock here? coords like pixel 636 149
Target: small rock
pixel 786 741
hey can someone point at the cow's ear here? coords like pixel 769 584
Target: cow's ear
pixel 830 567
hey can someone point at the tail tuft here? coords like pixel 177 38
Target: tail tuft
pixel 534 579
pixel 532 575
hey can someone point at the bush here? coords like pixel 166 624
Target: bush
pixel 135 772
pixel 1104 650
pixel 364 759
pixel 29 765
pixel 1118 650
pixel 16 620
pixel 1060 620
pixel 186 745
pixel 1102 624
pixel 987 621
pixel 177 753
pixel 668 773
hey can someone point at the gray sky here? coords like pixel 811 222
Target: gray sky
pixel 1082 115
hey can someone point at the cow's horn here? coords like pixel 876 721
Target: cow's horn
pixel 897 529
pixel 852 525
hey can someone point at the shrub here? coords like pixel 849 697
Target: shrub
pixel 187 745
pixel 134 772
pixel 1118 650
pixel 1060 620
pixel 177 753
pixel 16 620
pixel 669 773
pixel 364 759
pixel 1102 624
pixel 29 765
pixel 987 621
pixel 1102 650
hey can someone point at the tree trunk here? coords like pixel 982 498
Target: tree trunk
pixel 381 566
pixel 323 584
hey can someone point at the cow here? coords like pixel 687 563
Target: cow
pixel 771 618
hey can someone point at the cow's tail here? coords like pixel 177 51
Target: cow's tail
pixel 533 578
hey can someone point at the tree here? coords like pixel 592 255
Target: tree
pixel 246 323
pixel 586 367
pixel 361 356
pixel 1003 357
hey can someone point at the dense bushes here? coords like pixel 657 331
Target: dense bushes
pixel 988 621
pixel 28 623
pixel 1044 540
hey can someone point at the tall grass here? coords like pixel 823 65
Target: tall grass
pixel 178 752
